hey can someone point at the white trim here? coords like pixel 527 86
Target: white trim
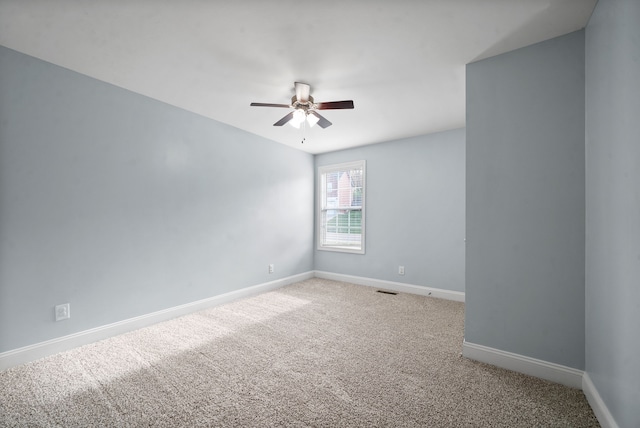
pixel 522 364
pixel 43 349
pixel 458 296
pixel 597 403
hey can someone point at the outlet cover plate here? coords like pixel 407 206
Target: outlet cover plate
pixel 63 312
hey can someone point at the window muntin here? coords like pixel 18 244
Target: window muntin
pixel 341 193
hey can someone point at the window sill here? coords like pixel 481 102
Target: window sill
pixel 338 249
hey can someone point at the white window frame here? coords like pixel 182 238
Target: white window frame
pixel 321 208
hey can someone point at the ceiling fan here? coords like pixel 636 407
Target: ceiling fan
pixel 305 108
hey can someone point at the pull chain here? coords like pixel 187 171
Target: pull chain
pixel 304 131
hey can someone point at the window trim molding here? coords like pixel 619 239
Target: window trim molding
pixel 321 170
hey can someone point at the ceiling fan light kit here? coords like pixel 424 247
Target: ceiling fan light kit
pixel 300 115
pixel 305 108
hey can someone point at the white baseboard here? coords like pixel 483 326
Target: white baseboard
pixel 43 349
pixel 519 363
pixel 458 296
pixel 597 404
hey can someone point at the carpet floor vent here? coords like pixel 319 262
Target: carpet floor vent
pixel 393 293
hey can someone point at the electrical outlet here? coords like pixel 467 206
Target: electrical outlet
pixel 63 312
pixel 271 268
pixel 400 270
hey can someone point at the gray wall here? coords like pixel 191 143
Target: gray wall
pixel 122 205
pixel 525 201
pixel 613 206
pixel 414 212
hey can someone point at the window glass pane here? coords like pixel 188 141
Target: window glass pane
pixel 345 229
pixel 332 189
pixel 330 220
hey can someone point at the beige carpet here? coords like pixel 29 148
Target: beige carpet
pixel 314 354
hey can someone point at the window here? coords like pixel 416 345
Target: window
pixel 341 207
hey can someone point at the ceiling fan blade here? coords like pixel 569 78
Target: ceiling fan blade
pixel 335 105
pixel 284 120
pixel 302 92
pixel 322 122
pixel 269 105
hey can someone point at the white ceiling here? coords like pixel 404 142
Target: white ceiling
pixel 402 62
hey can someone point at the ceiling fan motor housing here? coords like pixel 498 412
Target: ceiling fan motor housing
pixel 302 105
